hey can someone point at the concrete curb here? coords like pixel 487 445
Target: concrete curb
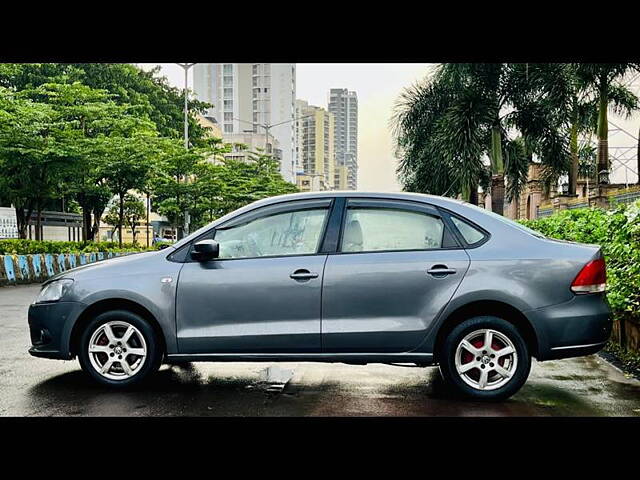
pixel 35 268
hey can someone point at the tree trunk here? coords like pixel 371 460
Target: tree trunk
pixel 38 221
pixel 603 134
pixel 573 166
pixel 120 219
pixel 466 192
pixel 22 219
pixel 95 229
pixel 86 218
pixel 473 194
pixel 497 170
pixel 497 194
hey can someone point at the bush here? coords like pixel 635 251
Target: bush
pixel 23 247
pixel 618 233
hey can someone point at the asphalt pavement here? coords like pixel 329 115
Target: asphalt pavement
pixel 586 386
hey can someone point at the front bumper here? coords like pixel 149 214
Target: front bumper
pixel 50 326
pixel 575 328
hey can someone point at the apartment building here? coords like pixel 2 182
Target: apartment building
pixel 343 104
pixel 315 147
pixel 246 97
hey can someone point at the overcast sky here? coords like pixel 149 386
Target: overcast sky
pixel 377 85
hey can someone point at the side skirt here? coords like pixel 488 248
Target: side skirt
pixel 422 359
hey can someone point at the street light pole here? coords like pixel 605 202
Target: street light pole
pixel 186 67
pixel 267 127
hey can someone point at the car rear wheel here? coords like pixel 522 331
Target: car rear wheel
pixel 485 358
pixel 119 348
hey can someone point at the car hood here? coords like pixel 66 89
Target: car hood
pixel 109 266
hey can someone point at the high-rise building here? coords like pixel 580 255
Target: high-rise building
pixel 246 94
pixel 344 106
pixel 315 143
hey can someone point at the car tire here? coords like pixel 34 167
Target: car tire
pixel 481 373
pixel 119 336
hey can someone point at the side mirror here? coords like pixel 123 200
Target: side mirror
pixel 205 250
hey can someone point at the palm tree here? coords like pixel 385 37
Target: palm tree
pixel 444 126
pixel 568 103
pixel 437 155
pixel 604 82
pixel 573 95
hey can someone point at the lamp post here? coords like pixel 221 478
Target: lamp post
pixel 185 67
pixel 267 127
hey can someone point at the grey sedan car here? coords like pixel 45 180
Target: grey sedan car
pixel 347 277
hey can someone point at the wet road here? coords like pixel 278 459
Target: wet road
pixel 586 386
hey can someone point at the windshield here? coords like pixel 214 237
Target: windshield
pixel 506 220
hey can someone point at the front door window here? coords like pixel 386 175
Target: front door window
pixel 289 233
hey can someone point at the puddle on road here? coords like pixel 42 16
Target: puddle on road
pixel 273 379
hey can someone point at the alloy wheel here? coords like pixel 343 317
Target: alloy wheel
pixel 486 359
pixel 117 350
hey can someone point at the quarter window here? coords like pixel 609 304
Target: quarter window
pixel 372 229
pixel 470 234
pixel 289 233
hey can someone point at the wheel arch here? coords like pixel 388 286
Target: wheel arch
pixel 107 305
pixel 488 307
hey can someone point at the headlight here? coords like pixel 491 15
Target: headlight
pixel 54 291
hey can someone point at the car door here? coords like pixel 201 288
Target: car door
pixel 262 295
pixel 397 266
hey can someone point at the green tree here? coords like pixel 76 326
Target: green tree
pixel 573 95
pixel 243 182
pixel 186 181
pixel 604 80
pixel 128 167
pixel 126 84
pixel 94 136
pixel 448 123
pixel 133 212
pixel 31 158
pixel 100 102
pixel 163 104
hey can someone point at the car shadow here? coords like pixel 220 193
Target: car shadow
pixel 175 378
pixel 189 391
pixel 174 390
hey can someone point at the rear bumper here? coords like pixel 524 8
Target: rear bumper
pixel 575 328
pixel 50 326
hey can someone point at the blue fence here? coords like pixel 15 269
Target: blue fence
pixel 38 267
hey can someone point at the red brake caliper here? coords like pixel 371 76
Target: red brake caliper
pixel 468 356
pixel 102 341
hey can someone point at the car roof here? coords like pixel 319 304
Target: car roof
pixel 420 197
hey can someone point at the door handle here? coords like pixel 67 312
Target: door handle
pixel 441 270
pixel 303 274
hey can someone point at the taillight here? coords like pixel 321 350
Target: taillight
pixel 592 278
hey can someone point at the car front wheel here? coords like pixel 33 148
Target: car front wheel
pixel 119 349
pixel 485 358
